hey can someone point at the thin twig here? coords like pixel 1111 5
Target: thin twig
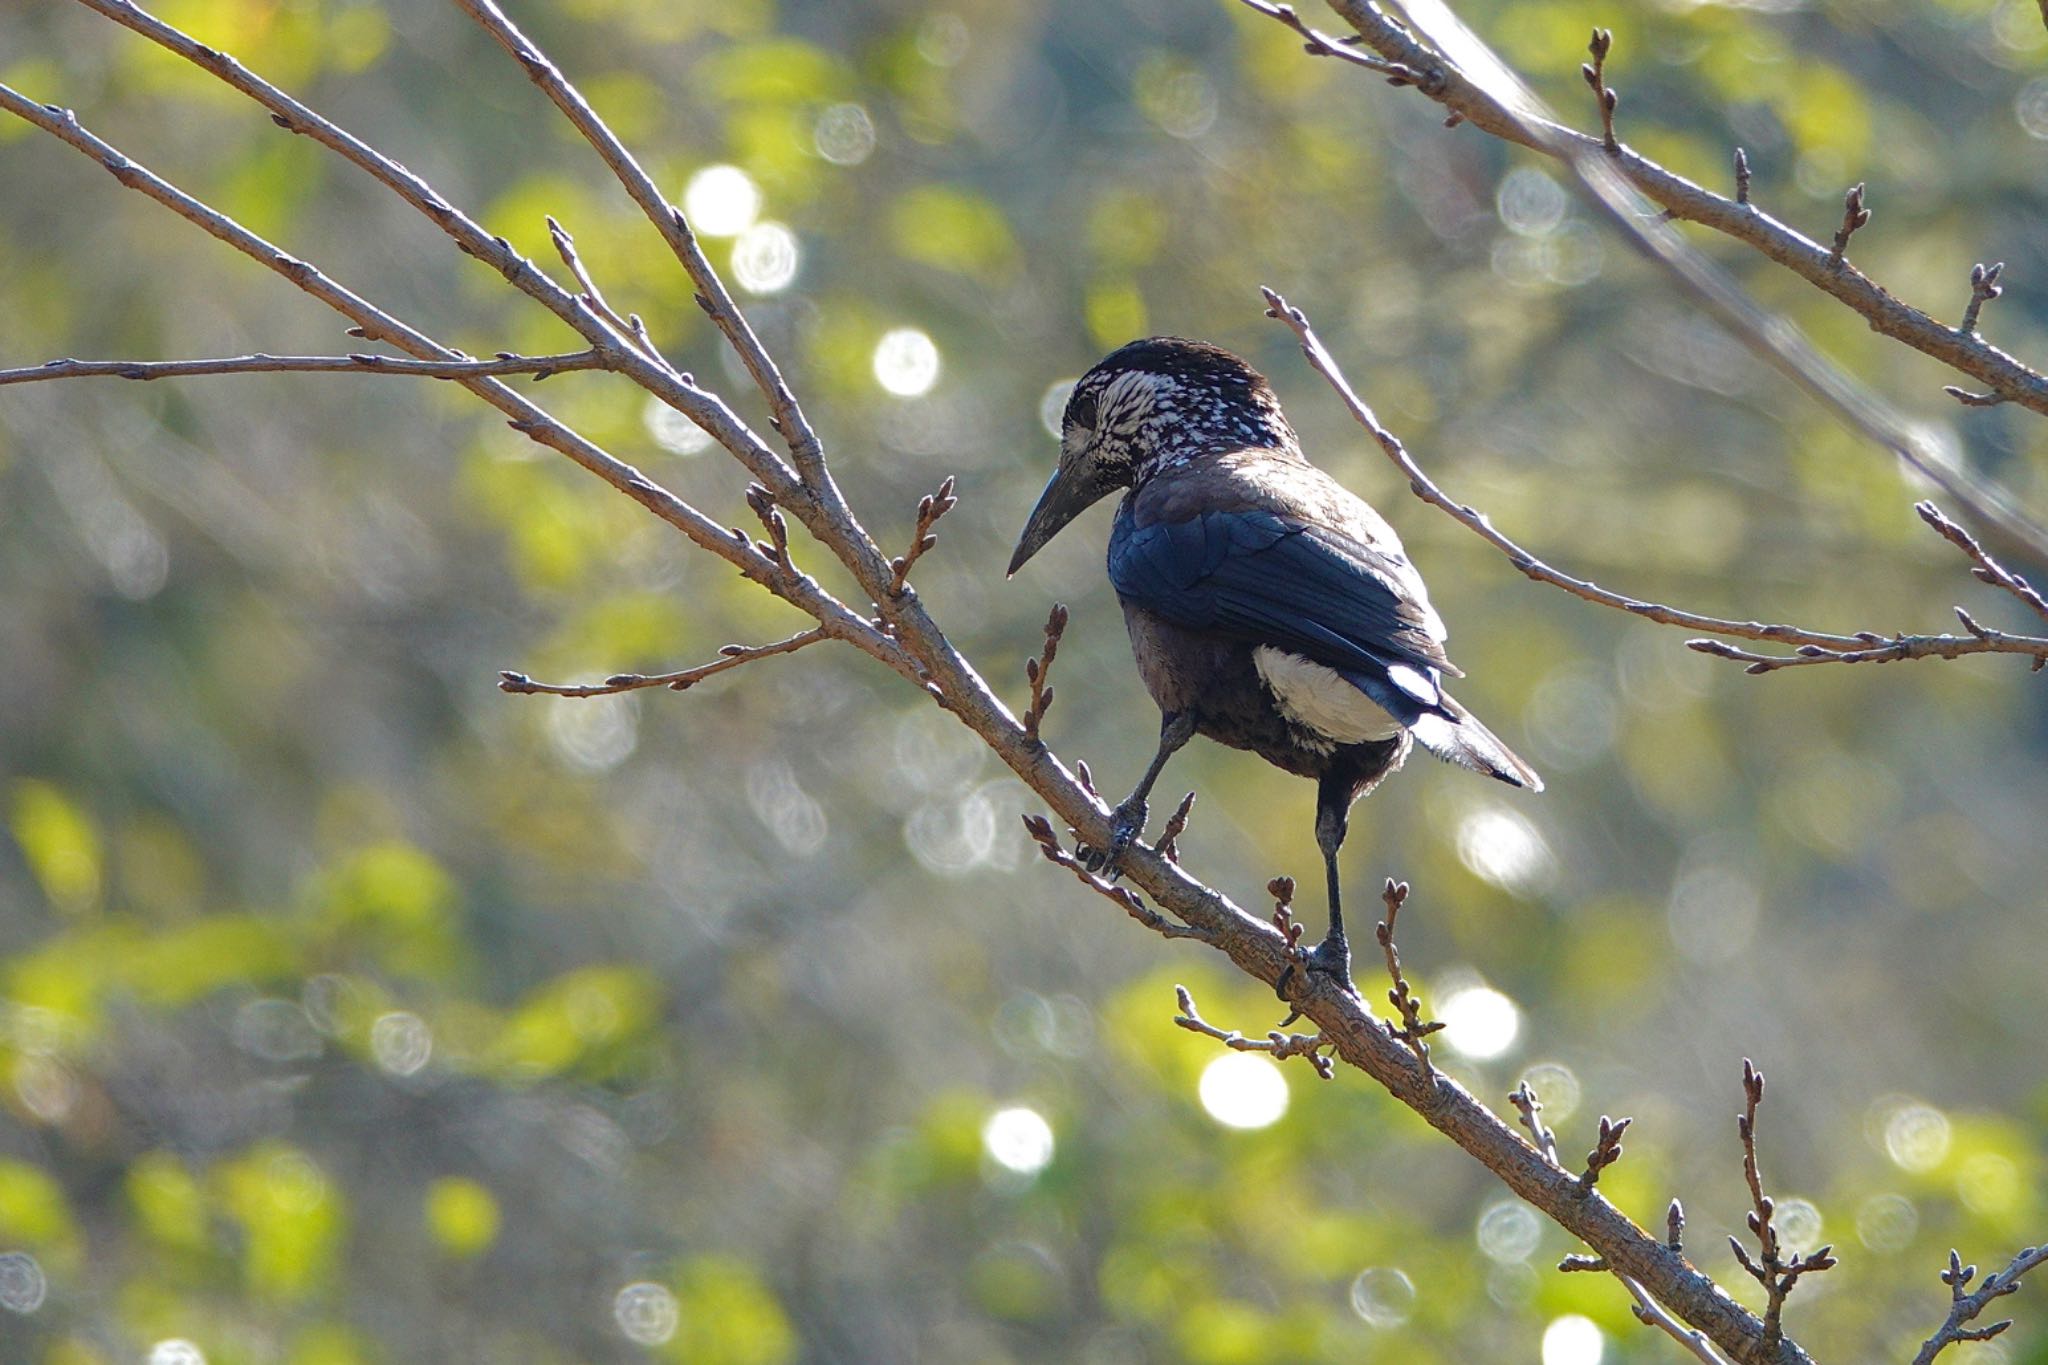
pixel 706 409
pixel 1132 903
pixel 1323 45
pixel 1769 1267
pixel 1528 1106
pixel 1854 216
pixel 1741 178
pixel 1484 91
pixel 1038 672
pixel 1595 74
pixel 633 327
pixel 712 295
pixel 505 363
pixel 930 508
pixel 1606 1151
pixel 526 417
pixel 1414 1028
pixel 1176 825
pixel 729 657
pixel 1984 287
pixel 1277 1045
pixel 1964 1308
pixel 1813 646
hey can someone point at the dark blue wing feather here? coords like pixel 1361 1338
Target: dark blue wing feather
pixel 1259 576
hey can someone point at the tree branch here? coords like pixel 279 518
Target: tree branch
pixel 911 643
pixel 1964 1308
pixel 538 366
pixel 1477 88
pixel 1812 646
pixel 729 657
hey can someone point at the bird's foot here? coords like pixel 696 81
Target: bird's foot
pixel 1331 958
pixel 1126 823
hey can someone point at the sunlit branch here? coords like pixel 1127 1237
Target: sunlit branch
pixel 729 657
pixel 1811 646
pixel 526 417
pixel 712 294
pixel 1277 1045
pixel 1478 88
pixel 505 363
pixel 1964 1307
pixel 911 643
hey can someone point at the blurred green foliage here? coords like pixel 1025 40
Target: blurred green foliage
pixel 351 1010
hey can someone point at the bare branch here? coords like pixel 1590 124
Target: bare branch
pixel 1812 646
pixel 1741 177
pixel 1176 825
pixel 1984 287
pixel 1606 1151
pixel 1983 567
pixel 1131 902
pixel 1038 672
pixel 526 417
pixel 1323 45
pixel 729 657
pixel 565 247
pixel 1528 1106
pixel 1769 1268
pixel 706 409
pixel 930 508
pixel 1964 1308
pixel 1277 1045
pixel 505 363
pixel 1414 1028
pixel 1485 92
pixel 1595 73
pixel 1854 216
pixel 712 295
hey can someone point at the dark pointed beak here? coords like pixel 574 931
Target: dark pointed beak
pixel 1067 495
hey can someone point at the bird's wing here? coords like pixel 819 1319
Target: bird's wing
pixel 1272 579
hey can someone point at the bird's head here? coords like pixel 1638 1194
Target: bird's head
pixel 1144 408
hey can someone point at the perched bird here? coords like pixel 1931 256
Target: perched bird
pixel 1269 608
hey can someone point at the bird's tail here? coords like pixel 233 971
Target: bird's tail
pixel 1459 738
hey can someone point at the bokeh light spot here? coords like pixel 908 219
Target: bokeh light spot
pixel 1557 1089
pixel 1509 1231
pixel 906 362
pixel 1018 1139
pixel 401 1042
pixel 176 1351
pixel 1798 1224
pixel 1502 847
pixel 721 201
pixel 765 259
pixel 1886 1223
pixel 844 135
pixel 646 1312
pixel 22 1286
pixel 1052 407
pixel 1916 1137
pixel 1243 1090
pixel 1480 1022
pixel 1383 1296
pixel 672 431
pixel 1573 1340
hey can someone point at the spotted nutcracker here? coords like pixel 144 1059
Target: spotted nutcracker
pixel 1269 608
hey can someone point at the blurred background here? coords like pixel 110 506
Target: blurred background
pixel 351 1010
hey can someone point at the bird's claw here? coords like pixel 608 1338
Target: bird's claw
pixel 1126 823
pixel 1331 958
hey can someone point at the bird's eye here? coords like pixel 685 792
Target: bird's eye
pixel 1081 411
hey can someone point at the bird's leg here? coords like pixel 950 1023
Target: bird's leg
pixel 1128 821
pixel 1333 955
